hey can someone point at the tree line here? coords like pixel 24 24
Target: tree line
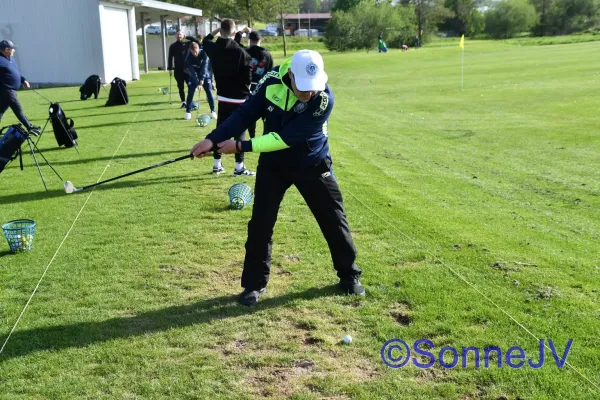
pixel 356 24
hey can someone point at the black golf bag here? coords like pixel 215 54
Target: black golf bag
pixel 10 144
pixel 90 87
pixel 64 132
pixel 118 93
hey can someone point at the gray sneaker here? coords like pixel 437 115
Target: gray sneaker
pixel 250 297
pixel 352 286
pixel 218 171
pixel 243 172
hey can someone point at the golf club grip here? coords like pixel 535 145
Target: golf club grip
pixel 187 156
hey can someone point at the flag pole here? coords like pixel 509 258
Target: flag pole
pixel 462 67
pixel 462 70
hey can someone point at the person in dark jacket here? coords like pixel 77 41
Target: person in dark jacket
pixel 262 62
pixel 296 102
pixel 233 75
pixel 11 81
pixel 205 76
pixel 176 62
pixel 196 71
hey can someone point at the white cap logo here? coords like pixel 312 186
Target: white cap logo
pixel 312 69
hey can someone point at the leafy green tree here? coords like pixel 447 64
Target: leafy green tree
pixel 510 17
pixel 561 17
pixel 428 14
pixel 360 27
pixel 467 18
pixel 344 5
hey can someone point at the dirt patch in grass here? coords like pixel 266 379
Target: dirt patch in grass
pixel 401 313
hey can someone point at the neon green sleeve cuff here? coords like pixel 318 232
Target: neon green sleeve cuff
pixel 267 143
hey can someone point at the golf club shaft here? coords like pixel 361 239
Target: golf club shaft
pixel 39 94
pixel 187 156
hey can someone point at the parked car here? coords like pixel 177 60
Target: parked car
pixel 153 30
pixel 172 30
pixel 267 32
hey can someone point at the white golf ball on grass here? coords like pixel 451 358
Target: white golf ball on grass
pixel 347 339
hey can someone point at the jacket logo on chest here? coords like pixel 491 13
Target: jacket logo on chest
pixel 270 108
pixel 300 107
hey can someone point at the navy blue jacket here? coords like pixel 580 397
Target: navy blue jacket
pixel 10 76
pixel 197 65
pixel 295 133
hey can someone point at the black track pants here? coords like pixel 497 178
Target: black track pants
pixel 320 190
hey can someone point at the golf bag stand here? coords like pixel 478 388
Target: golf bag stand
pixel 10 148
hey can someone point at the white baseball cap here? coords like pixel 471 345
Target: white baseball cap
pixel 309 70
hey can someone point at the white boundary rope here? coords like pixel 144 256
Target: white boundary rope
pixel 458 275
pixel 66 236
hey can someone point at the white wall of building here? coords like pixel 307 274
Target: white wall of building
pixel 119 42
pixel 58 41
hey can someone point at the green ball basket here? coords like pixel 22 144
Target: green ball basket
pixel 19 234
pixel 203 120
pixel 240 195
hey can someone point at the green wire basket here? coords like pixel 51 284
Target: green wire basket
pixel 240 195
pixel 19 234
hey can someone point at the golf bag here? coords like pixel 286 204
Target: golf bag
pixel 118 93
pixel 90 87
pixel 10 144
pixel 64 132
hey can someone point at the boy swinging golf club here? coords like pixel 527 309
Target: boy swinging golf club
pixel 295 102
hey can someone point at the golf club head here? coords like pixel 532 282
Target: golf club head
pixel 69 188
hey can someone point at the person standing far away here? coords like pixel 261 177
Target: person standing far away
pixel 232 67
pixel 176 62
pixel 262 62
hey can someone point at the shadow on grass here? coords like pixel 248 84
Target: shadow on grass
pixel 125 184
pixel 105 114
pixel 23 343
pixel 154 103
pixel 107 158
pixel 5 253
pixel 127 123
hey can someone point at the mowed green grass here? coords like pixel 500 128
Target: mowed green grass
pixel 498 183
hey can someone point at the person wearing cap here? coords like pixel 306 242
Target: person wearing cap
pixel 262 62
pixel 11 81
pixel 295 102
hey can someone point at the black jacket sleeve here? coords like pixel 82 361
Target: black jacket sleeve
pixel 269 59
pixel 171 55
pixel 238 39
pixel 245 66
pixel 208 45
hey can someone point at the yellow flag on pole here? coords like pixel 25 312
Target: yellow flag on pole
pixel 462 42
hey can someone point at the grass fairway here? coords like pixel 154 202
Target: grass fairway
pixel 499 183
